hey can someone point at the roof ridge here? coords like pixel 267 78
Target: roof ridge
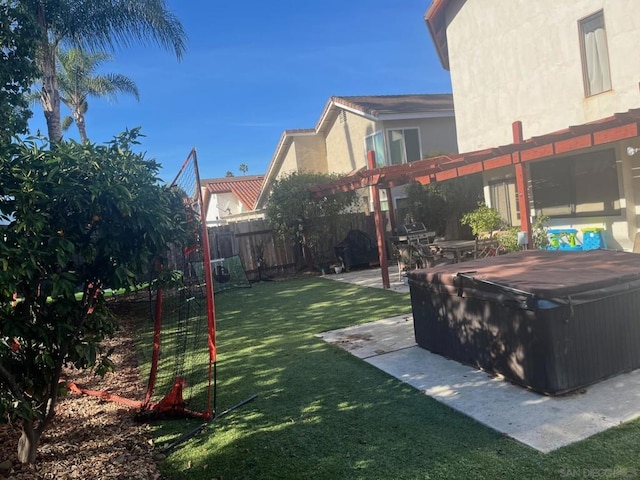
pixel 234 178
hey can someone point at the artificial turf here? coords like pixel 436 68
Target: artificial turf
pixel 323 414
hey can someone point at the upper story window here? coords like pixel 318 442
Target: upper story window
pixel 404 145
pixel 375 142
pixel 595 55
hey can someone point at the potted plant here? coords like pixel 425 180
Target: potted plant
pixel 337 267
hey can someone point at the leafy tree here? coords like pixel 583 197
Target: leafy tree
pixel 229 174
pixel 295 213
pixel 95 25
pixel 440 205
pixel 78 80
pixel 244 168
pixel 17 51
pixel 482 220
pixel 78 218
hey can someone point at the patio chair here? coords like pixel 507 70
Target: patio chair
pixel 486 247
pixel 433 256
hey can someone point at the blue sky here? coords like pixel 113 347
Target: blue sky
pixel 253 69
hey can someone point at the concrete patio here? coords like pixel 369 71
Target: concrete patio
pixel 541 422
pixel 371 277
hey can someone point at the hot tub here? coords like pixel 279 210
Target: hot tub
pixel 552 321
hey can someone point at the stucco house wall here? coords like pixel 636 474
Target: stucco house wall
pixel 524 63
pixel 290 162
pixel 337 144
pixel 222 205
pixel 344 141
pixel 311 153
pixel 437 135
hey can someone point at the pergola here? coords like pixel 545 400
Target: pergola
pixel 621 126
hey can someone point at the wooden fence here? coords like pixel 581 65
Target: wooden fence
pixel 254 239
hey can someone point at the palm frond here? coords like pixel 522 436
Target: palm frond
pixel 66 123
pixel 105 24
pixel 109 85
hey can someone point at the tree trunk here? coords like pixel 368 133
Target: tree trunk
pixel 28 443
pixel 50 96
pixel 82 127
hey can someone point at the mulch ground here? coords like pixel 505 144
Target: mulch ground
pixel 90 438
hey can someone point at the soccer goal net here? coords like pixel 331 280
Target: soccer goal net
pixel 228 273
pixel 182 375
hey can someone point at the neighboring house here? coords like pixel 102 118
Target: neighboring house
pixel 398 128
pixel 563 75
pixel 230 199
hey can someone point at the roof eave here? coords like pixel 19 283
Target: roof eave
pixel 619 127
pixel 333 105
pixel 417 116
pixel 436 24
pixel 274 167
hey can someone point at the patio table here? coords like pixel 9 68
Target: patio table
pixel 457 247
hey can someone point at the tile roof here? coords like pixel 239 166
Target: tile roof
pixel 246 188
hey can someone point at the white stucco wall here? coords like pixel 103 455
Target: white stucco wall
pixel 520 60
pixel 218 205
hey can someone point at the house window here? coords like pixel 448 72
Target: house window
pixel 404 145
pixel 585 185
pixel 502 194
pixel 375 142
pixel 403 209
pixel 384 202
pixel 595 55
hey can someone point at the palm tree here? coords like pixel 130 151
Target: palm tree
pixel 77 80
pixel 96 25
pixel 92 25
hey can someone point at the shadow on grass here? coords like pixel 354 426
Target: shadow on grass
pixel 322 413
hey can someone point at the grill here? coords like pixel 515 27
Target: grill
pixel 412 233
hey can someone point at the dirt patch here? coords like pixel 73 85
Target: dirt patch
pixel 91 438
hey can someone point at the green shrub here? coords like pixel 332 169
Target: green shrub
pixel 483 219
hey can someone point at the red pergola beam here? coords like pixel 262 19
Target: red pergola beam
pixel 380 236
pixel 618 127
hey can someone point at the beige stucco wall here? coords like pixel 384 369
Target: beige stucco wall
pixel 290 162
pixel 520 60
pixel 345 142
pixel 437 135
pixel 311 153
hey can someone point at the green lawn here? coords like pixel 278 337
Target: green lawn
pixel 324 414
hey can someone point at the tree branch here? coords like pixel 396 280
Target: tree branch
pixel 7 378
